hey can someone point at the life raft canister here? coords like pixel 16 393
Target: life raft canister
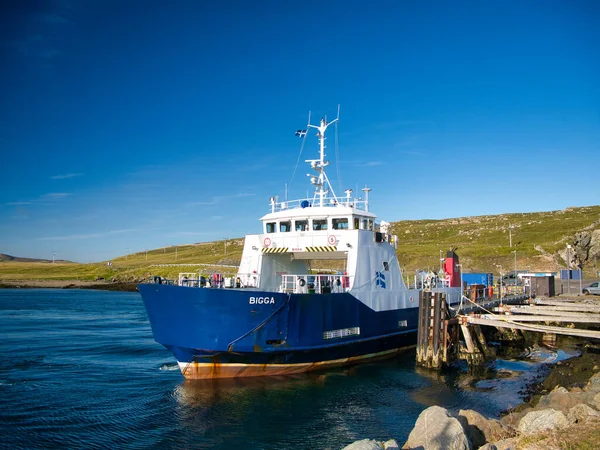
pixel 345 280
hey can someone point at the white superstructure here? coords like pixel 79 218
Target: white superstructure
pixel 296 234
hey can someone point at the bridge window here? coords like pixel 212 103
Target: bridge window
pixel 301 225
pixel 285 226
pixel 271 227
pixel 319 224
pixel 356 223
pixel 340 224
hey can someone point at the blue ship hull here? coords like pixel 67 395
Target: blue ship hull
pixel 222 333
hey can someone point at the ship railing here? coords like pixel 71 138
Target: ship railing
pixel 311 283
pixel 314 202
pixel 191 279
pixel 247 280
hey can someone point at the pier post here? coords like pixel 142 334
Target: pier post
pixel 435 331
pixel 473 354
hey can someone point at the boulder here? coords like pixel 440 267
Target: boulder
pixel 582 413
pixel 512 419
pixel 506 444
pixel 478 428
pixel 391 445
pixel 560 389
pixel 365 444
pixel 546 419
pixel 488 447
pixel 596 401
pixel 563 401
pixel 436 429
pixel 593 385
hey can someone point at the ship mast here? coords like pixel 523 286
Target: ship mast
pixel 321 182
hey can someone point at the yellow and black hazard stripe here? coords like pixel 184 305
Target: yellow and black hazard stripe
pixel 275 250
pixel 322 248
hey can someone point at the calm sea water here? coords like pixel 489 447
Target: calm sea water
pixel 79 369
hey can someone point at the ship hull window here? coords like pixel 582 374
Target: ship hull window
pixel 319 224
pixel 301 225
pixel 339 224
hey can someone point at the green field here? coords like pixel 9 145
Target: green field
pixel 482 243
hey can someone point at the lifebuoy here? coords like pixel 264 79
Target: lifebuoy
pixel 301 282
pixel 267 242
pixel 332 240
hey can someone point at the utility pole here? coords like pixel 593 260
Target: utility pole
pixel 127 254
pixel 225 246
pixel 146 254
pixel 510 227
pixel 569 268
pixel 53 253
pixel 175 253
pixel 501 275
pixel 515 252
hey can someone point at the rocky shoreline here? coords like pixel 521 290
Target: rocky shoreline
pixel 68 284
pixel 562 411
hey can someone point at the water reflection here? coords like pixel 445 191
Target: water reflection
pixel 333 408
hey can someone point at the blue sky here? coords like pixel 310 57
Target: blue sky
pixel 127 125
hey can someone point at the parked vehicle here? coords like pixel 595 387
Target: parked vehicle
pixel 593 288
pixel 512 278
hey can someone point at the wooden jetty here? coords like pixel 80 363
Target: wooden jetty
pixel 438 334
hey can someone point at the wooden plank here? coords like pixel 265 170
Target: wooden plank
pixel 569 306
pixel 578 308
pixel 539 328
pixel 570 319
pixel 422 331
pixel 437 318
pixel 468 338
pixel 548 312
pixel 565 302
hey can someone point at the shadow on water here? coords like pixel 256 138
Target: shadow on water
pixel 334 408
pixel 83 367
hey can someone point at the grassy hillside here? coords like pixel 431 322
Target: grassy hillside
pixel 482 243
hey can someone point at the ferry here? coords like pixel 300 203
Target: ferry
pixel 279 317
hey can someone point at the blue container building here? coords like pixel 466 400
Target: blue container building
pixel 486 279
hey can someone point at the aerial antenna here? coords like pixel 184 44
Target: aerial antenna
pixel 337 153
pixel 366 190
pixel 321 182
pixel 300 154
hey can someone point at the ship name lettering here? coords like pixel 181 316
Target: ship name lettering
pixel 261 301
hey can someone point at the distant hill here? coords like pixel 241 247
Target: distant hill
pixel 486 242
pixel 5 257
pixel 483 243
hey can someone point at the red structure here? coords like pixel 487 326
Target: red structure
pixel 452 269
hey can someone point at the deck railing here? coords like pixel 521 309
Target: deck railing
pixel 315 283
